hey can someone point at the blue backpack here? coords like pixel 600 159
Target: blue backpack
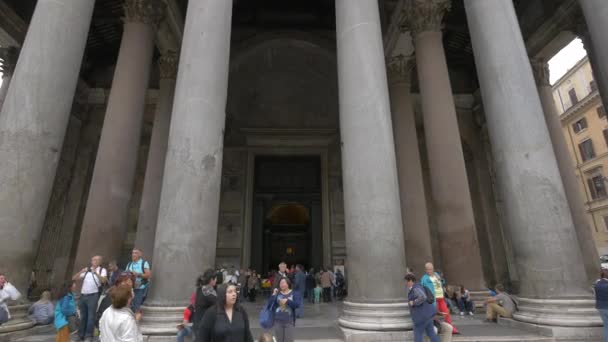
pixel 267 314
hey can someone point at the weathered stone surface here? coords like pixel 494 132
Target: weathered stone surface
pixel 105 222
pixel 155 166
pixel 537 213
pixel 458 242
pixel 371 194
pixel 186 236
pixel 33 123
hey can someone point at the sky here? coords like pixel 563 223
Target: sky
pixel 558 65
pixel 566 59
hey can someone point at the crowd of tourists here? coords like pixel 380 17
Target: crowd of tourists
pixel 431 302
pixel 109 302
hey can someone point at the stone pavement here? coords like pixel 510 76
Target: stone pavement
pixel 320 324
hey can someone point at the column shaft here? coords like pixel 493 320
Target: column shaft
pixel 572 189
pixel 536 209
pixel 105 220
pixel 374 229
pixel 33 123
pixel 596 12
pixel 186 232
pixel 150 200
pixel 414 212
pixel 460 257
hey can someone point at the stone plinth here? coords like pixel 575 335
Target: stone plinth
pixel 564 319
pixel 18 322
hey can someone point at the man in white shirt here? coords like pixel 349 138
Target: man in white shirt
pixel 93 278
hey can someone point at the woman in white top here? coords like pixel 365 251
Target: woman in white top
pixel 118 323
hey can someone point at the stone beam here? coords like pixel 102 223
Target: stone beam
pixel 12 27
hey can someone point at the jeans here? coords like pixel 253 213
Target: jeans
pixel 311 294
pixel 181 335
pixel 426 327
pixel 138 300
pixel 88 306
pixel 283 331
pixel 604 315
pixel 327 294
pixel 300 310
pixel 465 305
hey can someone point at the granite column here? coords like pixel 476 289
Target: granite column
pixel 33 122
pixel 150 199
pixel 596 18
pixel 104 225
pixel 553 284
pixel 414 213
pixel 460 255
pixel 186 234
pixel 576 202
pixel 374 228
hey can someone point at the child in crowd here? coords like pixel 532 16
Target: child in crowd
pixel 318 291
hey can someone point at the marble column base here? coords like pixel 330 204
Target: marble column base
pixel 18 322
pixel 375 317
pixel 563 319
pixel 351 335
pixel 161 320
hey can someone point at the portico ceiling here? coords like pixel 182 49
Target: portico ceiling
pixel 306 15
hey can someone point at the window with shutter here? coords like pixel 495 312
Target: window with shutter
pixel 593 85
pixel 579 125
pixel 586 150
pixel 600 186
pixel 601 112
pixel 573 97
pixel 591 188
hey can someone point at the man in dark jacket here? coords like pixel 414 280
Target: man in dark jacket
pixel 300 287
pixel 311 283
pixel 421 310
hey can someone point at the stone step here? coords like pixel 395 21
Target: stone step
pixel 516 338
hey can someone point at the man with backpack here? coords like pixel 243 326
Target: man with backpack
pixel 422 310
pixel 141 270
pixel 93 279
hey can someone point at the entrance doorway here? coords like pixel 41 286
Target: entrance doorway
pixel 287 212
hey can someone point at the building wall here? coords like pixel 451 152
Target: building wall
pixel 582 122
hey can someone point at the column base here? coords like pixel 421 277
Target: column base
pixel 375 317
pixel 17 324
pixel 161 320
pixel 562 319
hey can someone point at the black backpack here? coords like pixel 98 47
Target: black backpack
pixel 143 264
pixel 430 296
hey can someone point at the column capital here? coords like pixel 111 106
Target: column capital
pixel 167 64
pixel 8 56
pixel 425 15
pixel 399 69
pixel 540 68
pixel 149 12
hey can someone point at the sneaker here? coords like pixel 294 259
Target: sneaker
pixel 461 313
pixel 471 313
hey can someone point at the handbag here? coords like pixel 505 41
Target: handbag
pixel 267 314
pixel 73 323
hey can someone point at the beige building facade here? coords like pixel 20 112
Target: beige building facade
pixel 585 127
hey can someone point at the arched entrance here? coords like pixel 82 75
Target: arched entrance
pixel 287 217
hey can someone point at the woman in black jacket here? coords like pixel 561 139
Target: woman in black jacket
pixel 226 321
pixel 206 296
